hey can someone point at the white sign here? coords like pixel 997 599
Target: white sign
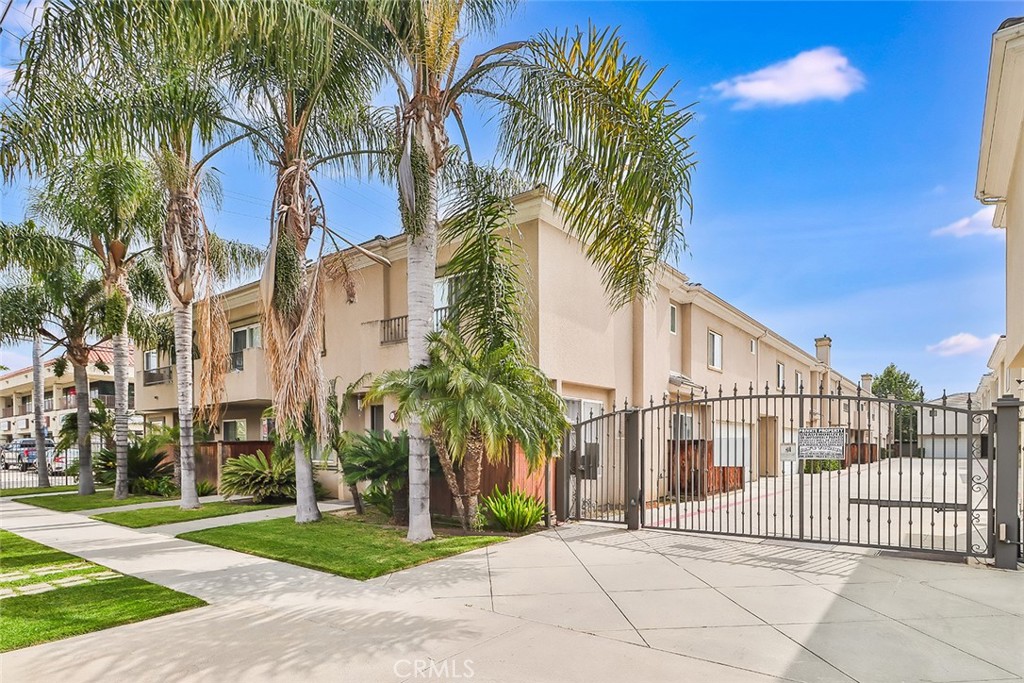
pixel 821 443
pixel 788 452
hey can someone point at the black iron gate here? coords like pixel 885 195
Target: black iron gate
pixel 832 468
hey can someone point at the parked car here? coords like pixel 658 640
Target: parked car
pixel 21 453
pixel 60 461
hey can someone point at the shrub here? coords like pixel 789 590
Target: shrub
pixel 263 478
pixel 515 511
pixel 206 488
pixel 383 461
pixel 259 477
pixel 816 466
pixel 145 461
pixel 161 486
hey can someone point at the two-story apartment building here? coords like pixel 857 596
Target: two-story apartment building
pixel 59 397
pixel 1001 179
pixel 684 339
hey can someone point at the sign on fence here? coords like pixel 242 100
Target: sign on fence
pixel 821 443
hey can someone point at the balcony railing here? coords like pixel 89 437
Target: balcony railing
pixel 236 361
pixel 156 376
pixel 395 330
pixel 7 412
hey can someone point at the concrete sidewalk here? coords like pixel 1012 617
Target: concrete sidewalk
pixel 271 621
pixel 583 603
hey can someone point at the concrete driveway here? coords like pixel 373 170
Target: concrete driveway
pixel 581 604
pixel 802 613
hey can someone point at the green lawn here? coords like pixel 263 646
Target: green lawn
pixel 102 499
pixel 102 600
pixel 137 519
pixel 27 490
pixel 337 545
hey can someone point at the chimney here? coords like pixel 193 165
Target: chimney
pixel 823 350
pixel 865 382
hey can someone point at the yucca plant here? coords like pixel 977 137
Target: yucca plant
pixel 515 511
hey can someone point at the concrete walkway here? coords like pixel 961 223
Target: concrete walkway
pixel 583 604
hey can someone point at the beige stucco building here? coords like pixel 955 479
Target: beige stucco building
pixel 685 339
pixel 1001 175
pixel 59 396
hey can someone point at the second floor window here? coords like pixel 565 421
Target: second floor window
pixel 247 337
pixel 798 381
pixel 150 360
pixel 672 321
pixel 714 350
pixel 780 375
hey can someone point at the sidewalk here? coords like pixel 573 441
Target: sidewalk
pixel 271 621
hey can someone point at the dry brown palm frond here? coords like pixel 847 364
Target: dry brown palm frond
pixel 293 308
pixel 211 330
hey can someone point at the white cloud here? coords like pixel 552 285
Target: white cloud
pixel 978 224
pixel 820 74
pixel 963 343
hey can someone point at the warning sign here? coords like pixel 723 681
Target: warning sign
pixel 821 443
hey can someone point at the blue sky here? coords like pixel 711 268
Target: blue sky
pixel 837 148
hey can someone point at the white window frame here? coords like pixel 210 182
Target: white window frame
pixel 224 430
pixel 753 346
pixel 713 362
pixel 780 374
pixel 253 336
pixel 153 355
pixel 673 319
pixel 798 377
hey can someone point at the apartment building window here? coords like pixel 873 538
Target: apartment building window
pixel 682 427
pixel 672 320
pixel 234 430
pixel 577 409
pixel 714 350
pixel 780 375
pixel 798 381
pixel 377 419
pixel 150 360
pixel 753 346
pixel 242 338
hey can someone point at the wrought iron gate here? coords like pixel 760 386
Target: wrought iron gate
pixel 905 475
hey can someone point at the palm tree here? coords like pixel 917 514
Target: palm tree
pixel 145 76
pixel 306 112
pixel 476 405
pixel 42 469
pixel 110 206
pixel 575 112
pixel 66 307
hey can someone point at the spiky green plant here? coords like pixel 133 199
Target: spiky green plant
pixel 515 510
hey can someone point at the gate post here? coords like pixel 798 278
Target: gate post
pixel 562 480
pixel 1007 523
pixel 634 504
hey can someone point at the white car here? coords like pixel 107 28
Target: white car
pixel 60 461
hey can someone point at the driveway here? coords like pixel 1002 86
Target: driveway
pixel 584 603
pixel 792 612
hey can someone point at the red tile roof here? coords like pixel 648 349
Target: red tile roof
pixel 103 353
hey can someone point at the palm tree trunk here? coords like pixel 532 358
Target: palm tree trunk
pixel 422 266
pixel 42 463
pixel 306 509
pixel 120 347
pixel 448 467
pixel 86 483
pixel 183 365
pixel 472 467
